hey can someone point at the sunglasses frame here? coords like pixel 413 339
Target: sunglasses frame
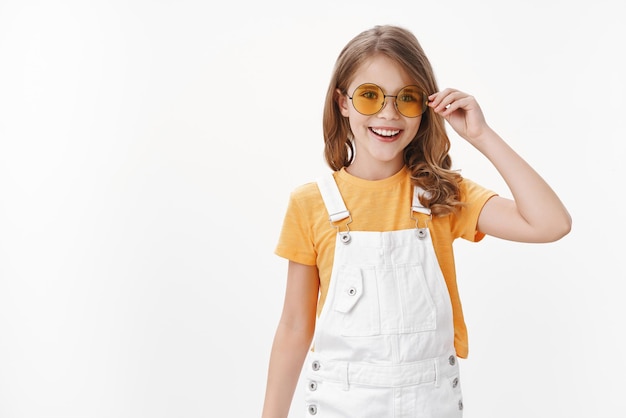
pixel 395 101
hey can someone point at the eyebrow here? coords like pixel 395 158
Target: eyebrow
pixel 409 87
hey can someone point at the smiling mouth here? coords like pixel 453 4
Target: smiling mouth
pixel 387 133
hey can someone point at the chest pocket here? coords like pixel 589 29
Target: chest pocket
pixel 383 301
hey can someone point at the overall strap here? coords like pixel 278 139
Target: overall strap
pixel 422 232
pixel 417 206
pixel 332 198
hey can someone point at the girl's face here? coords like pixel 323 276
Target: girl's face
pixel 379 138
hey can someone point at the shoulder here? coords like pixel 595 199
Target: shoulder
pixel 306 192
pixel 474 193
pixel 309 192
pixel 306 201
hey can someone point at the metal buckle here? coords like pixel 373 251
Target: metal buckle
pixel 421 232
pixel 344 236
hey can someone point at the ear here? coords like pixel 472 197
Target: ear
pixel 342 102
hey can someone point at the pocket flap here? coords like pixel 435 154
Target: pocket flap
pixel 349 289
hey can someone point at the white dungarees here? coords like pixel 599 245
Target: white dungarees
pixel 384 341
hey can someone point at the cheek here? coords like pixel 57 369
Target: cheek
pixel 415 125
pixel 358 122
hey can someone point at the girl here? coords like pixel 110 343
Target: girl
pixel 371 278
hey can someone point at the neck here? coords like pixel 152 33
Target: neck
pixel 374 173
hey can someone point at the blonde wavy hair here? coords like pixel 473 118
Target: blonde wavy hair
pixel 427 156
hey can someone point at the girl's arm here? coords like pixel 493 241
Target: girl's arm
pixel 292 340
pixel 535 214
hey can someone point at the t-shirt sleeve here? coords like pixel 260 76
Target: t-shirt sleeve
pixel 295 242
pixel 475 196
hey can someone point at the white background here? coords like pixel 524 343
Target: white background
pixel 147 152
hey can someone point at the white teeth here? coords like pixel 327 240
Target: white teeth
pixel 385 132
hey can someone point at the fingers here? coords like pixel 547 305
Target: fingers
pixel 461 111
pixel 449 100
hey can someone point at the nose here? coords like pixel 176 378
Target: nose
pixel 389 110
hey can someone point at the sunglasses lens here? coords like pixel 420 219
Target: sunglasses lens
pixel 368 99
pixel 411 101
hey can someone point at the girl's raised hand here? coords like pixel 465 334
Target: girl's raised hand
pixel 461 111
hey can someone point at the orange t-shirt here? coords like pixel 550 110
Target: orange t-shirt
pixel 307 237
